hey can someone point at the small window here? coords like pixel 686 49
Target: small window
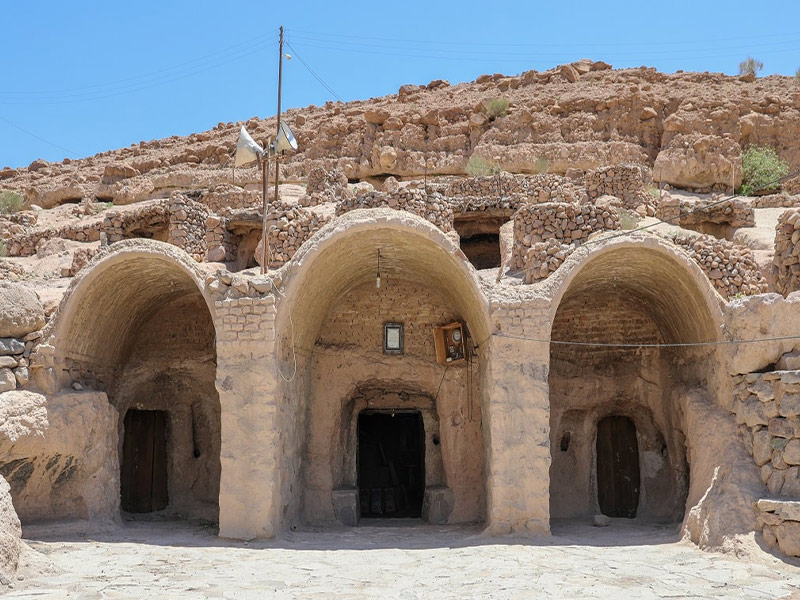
pixel 393 338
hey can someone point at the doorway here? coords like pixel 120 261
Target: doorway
pixel 617 467
pixel 391 464
pixel 144 461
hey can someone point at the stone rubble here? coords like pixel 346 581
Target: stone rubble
pixel 786 260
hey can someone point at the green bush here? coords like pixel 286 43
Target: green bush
pixel 496 107
pixel 542 165
pixel 797 76
pixel 750 66
pixel 10 202
pixel 478 166
pixel 761 165
pixel 628 219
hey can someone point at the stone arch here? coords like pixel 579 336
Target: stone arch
pixel 139 325
pixel 430 282
pixel 637 289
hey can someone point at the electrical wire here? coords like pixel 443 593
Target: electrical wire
pixel 139 83
pixel 644 345
pixel 41 139
pixel 313 73
pixel 714 42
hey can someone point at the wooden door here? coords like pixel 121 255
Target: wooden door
pixel 617 467
pixel 144 461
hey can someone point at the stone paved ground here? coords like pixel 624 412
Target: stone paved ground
pixel 155 560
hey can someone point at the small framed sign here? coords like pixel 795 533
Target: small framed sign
pixel 392 338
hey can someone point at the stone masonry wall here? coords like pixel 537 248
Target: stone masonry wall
pixel 531 189
pixel 545 234
pixel 187 226
pixel 288 227
pixel 433 207
pixel 626 182
pixel 223 196
pixel 731 268
pixel 786 260
pixel 690 213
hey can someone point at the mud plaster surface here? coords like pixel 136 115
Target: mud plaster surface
pixel 180 560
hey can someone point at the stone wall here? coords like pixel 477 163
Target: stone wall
pixel 220 243
pixel 14 356
pixel 694 213
pixel 187 226
pixel 545 234
pixel 730 267
pixel 786 260
pixel 528 188
pixel 626 182
pixel 767 408
pixel 782 200
pixel 288 227
pixel 220 197
pixel 433 207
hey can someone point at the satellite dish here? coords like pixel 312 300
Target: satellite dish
pixel 285 139
pixel 247 150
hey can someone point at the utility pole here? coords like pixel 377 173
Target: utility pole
pixel 278 128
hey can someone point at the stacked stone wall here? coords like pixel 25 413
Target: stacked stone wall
pixel 786 260
pixel 546 234
pixel 288 227
pixel 731 268
pixel 433 207
pixel 767 409
pixel 220 243
pixel 224 196
pixel 187 226
pixel 14 360
pixel 692 213
pixel 626 182
pixel 783 200
pixel 530 189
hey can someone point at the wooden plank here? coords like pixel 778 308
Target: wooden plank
pixel 618 475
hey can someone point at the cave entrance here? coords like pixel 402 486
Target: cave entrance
pixel 480 237
pixel 144 461
pixel 391 463
pixel 617 467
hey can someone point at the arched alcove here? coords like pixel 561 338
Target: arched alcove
pixel 137 325
pixel 616 409
pixel 331 321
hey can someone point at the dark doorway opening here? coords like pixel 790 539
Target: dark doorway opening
pixel 617 467
pixel 482 250
pixel 479 232
pixel 391 464
pixel 144 461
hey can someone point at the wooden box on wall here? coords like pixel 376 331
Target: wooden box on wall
pixel 449 342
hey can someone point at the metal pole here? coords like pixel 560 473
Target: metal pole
pixel 278 132
pixel 264 241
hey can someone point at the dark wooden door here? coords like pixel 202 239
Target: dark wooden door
pixel 144 461
pixel 617 467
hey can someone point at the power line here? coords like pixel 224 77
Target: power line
pixel 138 83
pixel 644 345
pixel 41 139
pixel 310 70
pixel 714 42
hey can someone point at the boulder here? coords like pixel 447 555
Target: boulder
pixel 20 310
pixel 10 535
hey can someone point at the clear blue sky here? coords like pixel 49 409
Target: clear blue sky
pixel 83 77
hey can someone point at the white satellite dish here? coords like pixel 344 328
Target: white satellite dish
pixel 285 139
pixel 247 150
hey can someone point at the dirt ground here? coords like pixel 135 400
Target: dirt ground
pixel 148 559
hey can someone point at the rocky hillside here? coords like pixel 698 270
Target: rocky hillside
pixel 690 128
